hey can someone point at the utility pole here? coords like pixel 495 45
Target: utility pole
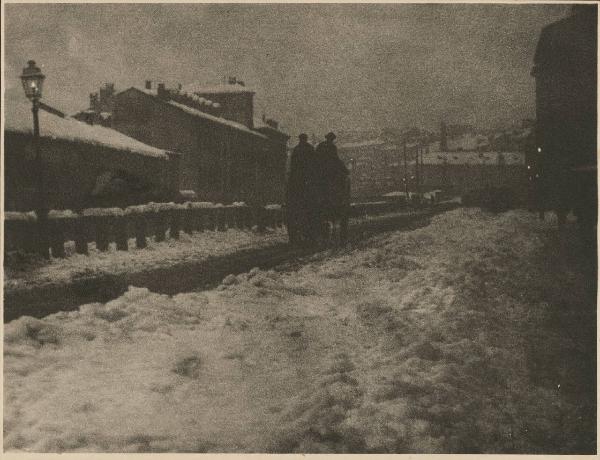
pixel 405 168
pixel 421 167
pixel 417 176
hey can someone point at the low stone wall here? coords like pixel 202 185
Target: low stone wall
pixel 115 225
pixel 104 226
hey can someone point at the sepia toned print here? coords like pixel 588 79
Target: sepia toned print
pixel 300 228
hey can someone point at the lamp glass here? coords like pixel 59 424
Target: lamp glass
pixel 33 81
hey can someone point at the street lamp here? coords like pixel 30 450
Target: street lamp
pixel 33 82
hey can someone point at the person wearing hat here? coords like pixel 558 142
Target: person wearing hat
pixel 332 187
pixel 300 193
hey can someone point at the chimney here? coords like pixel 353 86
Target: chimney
pixel 94 101
pixel 148 84
pixel 162 92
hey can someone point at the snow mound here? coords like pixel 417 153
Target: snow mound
pixel 419 342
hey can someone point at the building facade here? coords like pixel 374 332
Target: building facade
pixel 565 71
pixel 379 166
pixel 84 166
pixel 222 157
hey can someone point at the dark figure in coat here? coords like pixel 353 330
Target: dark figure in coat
pixel 300 193
pixel 333 187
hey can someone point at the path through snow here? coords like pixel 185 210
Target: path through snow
pixel 416 342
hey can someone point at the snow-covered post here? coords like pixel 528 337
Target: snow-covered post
pixel 272 212
pixel 102 219
pixel 259 213
pixel 102 225
pixel 237 215
pixel 176 215
pixel 199 213
pixel 80 230
pixel 220 218
pixel 187 214
pixel 58 221
pixel 140 224
pixel 229 216
pixel 121 234
pixel 201 220
pixel 160 224
pixel 210 222
pixel 247 217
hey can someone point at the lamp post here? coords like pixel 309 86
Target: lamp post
pixel 33 81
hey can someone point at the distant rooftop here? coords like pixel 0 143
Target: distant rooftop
pixel 17 118
pixel 199 114
pixel 473 158
pixel 216 89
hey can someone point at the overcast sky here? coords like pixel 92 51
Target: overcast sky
pixel 314 67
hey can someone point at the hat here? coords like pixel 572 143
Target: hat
pixel 303 136
pixel 330 136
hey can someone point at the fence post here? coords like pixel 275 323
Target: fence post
pixel 81 225
pixel 121 234
pixel 175 215
pixel 260 218
pixel 220 218
pixel 229 217
pixel 160 225
pixel 57 237
pixel 279 218
pixel 102 224
pixel 187 218
pixel 202 219
pixel 141 227
pixel 211 219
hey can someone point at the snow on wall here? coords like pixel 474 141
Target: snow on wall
pixel 18 118
pixel 23 216
pixel 100 212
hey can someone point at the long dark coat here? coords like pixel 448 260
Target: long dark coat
pixel 331 178
pixel 300 188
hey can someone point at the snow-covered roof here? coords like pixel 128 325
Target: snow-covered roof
pixel 18 119
pixel 216 89
pixel 198 113
pixel 473 158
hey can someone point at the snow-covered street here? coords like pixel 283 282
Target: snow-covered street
pixel 473 334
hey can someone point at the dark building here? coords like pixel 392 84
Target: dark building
pixel 84 166
pixel 236 101
pixel 565 71
pixel 223 158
